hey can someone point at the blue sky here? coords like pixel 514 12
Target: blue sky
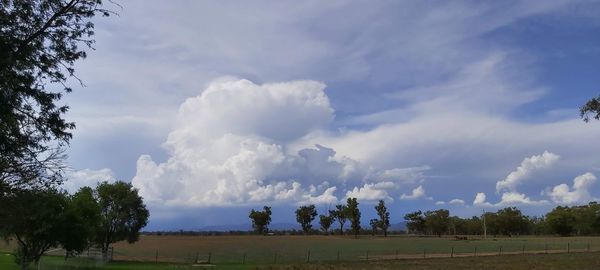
pixel 213 108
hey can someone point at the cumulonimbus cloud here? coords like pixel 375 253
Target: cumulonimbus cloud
pixel 230 147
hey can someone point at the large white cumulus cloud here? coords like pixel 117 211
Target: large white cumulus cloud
pixel 580 193
pixel 230 147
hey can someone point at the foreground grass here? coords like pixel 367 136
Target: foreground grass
pixel 508 262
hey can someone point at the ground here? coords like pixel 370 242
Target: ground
pixel 333 252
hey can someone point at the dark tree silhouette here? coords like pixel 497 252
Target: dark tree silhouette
pixel 325 221
pixel 40 41
pixel 354 216
pixel 261 220
pixel 384 217
pixel 305 216
pixel 341 215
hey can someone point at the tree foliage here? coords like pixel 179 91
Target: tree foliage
pixel 122 214
pixel 305 216
pixel 590 108
pixel 40 41
pixel 341 215
pixel 384 217
pixel 326 221
pixel 261 220
pixel 415 222
pixel 437 221
pixel 353 215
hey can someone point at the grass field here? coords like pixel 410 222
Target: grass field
pixel 230 251
pixel 509 262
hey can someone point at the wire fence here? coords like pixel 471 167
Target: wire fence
pixel 318 255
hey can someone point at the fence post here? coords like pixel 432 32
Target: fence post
pixel 396 254
pixel 523 249
pixel 546 248
pixel 244 258
pixel 156 256
pixel 367 255
pixel 500 250
pixel 475 251
pixel 197 256
pixel 452 253
pixel 338 255
pixel 275 258
pixel 588 247
pixel 308 257
pixel 424 253
pixel 568 247
pixel 209 257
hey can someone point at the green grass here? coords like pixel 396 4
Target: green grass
pixel 508 262
pixel 294 249
pixel 229 251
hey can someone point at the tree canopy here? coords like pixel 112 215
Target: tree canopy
pixel 261 220
pixel 305 216
pixel 122 214
pixel 353 215
pixel 40 41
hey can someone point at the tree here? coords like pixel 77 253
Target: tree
pixel 325 221
pixel 80 222
pixel 384 217
pixel 34 221
pixel 305 216
pixel 40 41
pixel 511 221
pixel 415 222
pixel 353 215
pixel 123 214
pixel 374 225
pixel 261 220
pixel 591 107
pixel 341 215
pixel 437 221
pixel 561 220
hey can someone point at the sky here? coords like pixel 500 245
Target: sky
pixel 212 108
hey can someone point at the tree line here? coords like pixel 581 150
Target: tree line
pixel 38 220
pixel 510 221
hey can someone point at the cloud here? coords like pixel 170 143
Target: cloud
pixel 453 202
pixel 457 202
pixel 515 198
pixel 372 192
pixel 76 179
pixel 481 200
pixel 579 193
pixel 230 146
pixel 417 193
pixel 527 167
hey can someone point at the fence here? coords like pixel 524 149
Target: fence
pixel 349 253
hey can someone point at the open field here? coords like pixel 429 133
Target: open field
pixel 239 250
pixel 510 262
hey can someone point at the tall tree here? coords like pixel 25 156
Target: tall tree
pixel 384 217
pixel 511 221
pixel 415 222
pixel 261 220
pixel 40 41
pixel 437 221
pixel 354 215
pixel 123 214
pixel 325 221
pixel 341 215
pixel 305 216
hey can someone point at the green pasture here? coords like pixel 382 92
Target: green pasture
pixel 179 252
